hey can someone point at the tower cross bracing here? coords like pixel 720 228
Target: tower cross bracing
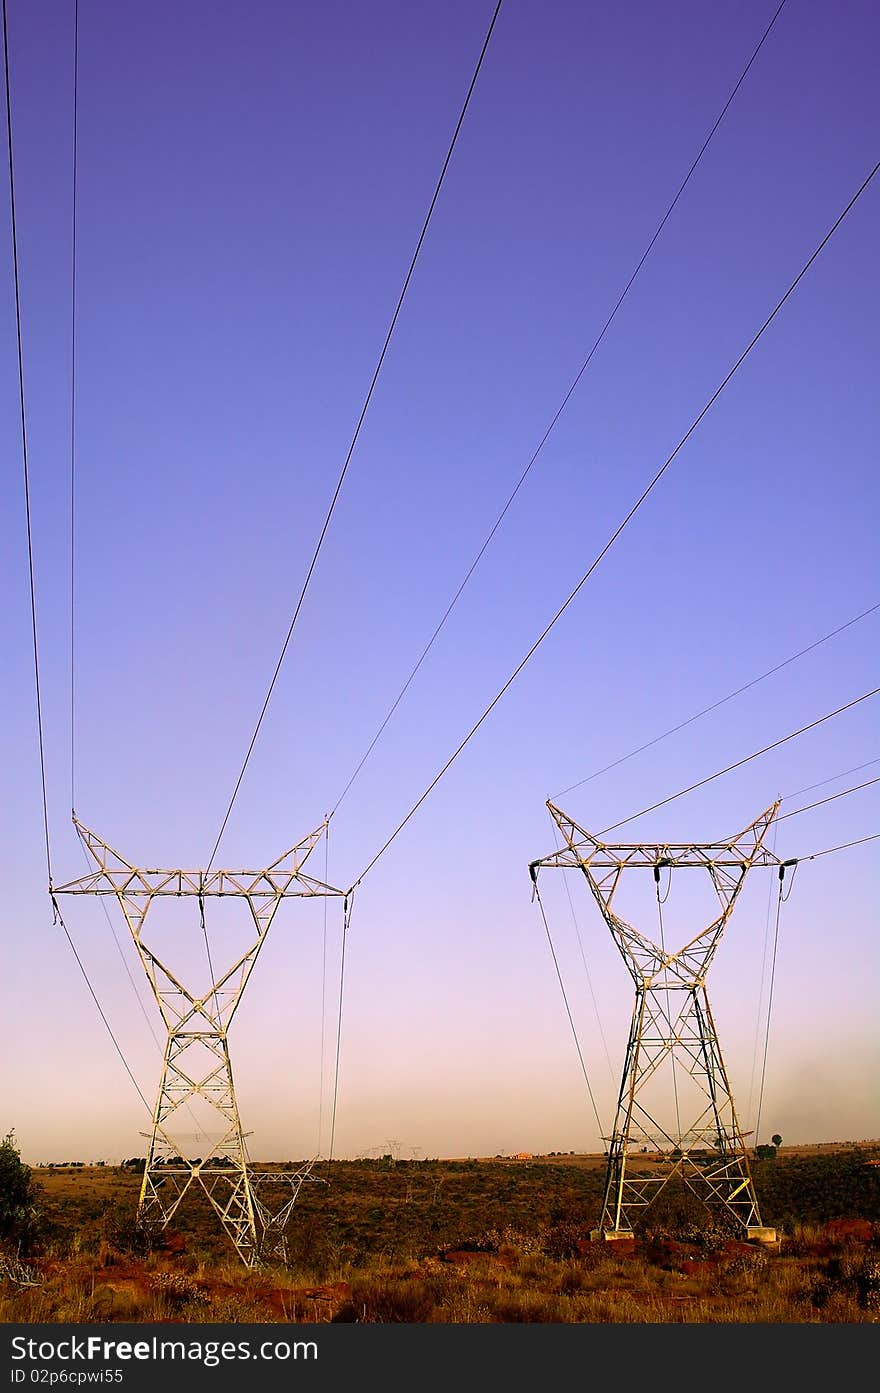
pixel 252 1205
pixel 671 1022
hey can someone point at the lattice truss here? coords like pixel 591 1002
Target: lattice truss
pixel 671 1021
pixel 253 1205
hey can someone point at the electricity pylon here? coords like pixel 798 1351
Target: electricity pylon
pixel 671 1020
pixel 197 1067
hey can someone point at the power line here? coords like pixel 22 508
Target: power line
pixel 756 1045
pixel 24 451
pixel 830 799
pixel 212 978
pixel 860 841
pixel 628 518
pixel 357 430
pixel 740 762
pixel 347 907
pixel 112 929
pixel 723 700
pixel 669 1020
pixel 557 839
pixel 565 400
pixel 73 413
pixel 143 1009
pixel 568 1009
pixel 830 780
pixel 30 553
pixel 94 996
pixel 769 1005
pixel 323 984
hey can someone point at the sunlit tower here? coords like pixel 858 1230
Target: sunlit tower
pixel 671 1021
pixel 252 1205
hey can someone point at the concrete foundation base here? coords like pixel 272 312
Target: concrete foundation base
pixel 758 1234
pixel 609 1236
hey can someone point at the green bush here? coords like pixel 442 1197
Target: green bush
pixel 20 1216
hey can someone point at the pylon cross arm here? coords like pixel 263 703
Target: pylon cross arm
pixel 281 879
pixel 584 849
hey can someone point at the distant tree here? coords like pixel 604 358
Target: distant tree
pixel 19 1195
pixel 776 1140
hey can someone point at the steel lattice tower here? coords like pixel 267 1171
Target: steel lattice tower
pixel 672 1021
pixel 252 1205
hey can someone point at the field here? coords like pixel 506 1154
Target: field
pixel 464 1241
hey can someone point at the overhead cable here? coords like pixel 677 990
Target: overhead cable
pixel 738 764
pixel 673 730
pixel 559 411
pixel 831 778
pixel 568 1009
pixel 859 841
pixel 830 799
pixel 24 452
pixel 73 412
pixel 354 439
pixel 30 553
pixel 779 901
pixel 628 518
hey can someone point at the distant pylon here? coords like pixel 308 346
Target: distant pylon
pixel 671 1019
pixel 196 1066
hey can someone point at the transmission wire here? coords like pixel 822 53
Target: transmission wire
pixel 143 1009
pixel 830 799
pixel 24 450
pixel 842 847
pixel 73 414
pixel 57 915
pixel 626 520
pixel 565 400
pixel 357 430
pixel 830 780
pixel 323 982
pixel 756 1045
pixel 673 730
pixel 346 920
pixel 73 320
pixel 213 979
pixel 59 918
pixel 740 762
pixel 112 929
pixel 668 1005
pixel 73 282
pixel 577 931
pixel 567 1007
pixel 769 1004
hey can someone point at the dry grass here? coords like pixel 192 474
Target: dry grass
pixel 474 1243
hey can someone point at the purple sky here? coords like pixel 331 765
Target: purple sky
pixel 251 184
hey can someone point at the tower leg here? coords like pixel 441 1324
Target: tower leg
pixel 615 1219
pixel 709 1154
pixel 171 1166
pixel 727 1179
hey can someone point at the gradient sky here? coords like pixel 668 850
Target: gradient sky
pixel 251 184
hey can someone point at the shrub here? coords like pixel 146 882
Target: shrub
pixel 20 1217
pixel 132 1233
pixel 179 1289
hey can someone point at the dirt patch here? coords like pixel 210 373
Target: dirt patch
pixel 849 1231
